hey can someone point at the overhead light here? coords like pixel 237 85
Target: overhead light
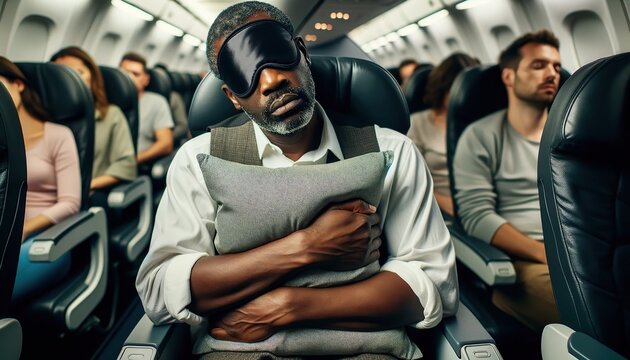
pixel 310 37
pixel 408 30
pixel 133 10
pixel 392 37
pixel 173 30
pixel 367 48
pixel 191 40
pixel 346 16
pixel 468 4
pixel 333 15
pixel 433 18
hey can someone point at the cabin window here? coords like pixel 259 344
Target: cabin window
pixel 31 39
pixel 503 36
pixel 106 47
pixel 589 35
pixel 453 45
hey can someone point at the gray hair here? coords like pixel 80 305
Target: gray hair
pixel 234 17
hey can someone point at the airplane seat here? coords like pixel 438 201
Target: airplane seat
pixel 475 93
pixel 583 182
pixel 131 203
pixel 12 206
pixel 122 93
pixel 416 88
pixel 181 85
pixel 160 83
pixel 68 306
pixel 395 73
pixel 352 102
pixel 193 82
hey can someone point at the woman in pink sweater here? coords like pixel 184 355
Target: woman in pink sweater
pixel 53 178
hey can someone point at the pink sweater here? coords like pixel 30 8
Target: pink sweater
pixel 53 175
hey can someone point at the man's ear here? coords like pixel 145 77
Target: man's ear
pixel 230 95
pixel 507 76
pixel 302 47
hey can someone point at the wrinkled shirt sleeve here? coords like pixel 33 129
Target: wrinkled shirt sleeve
pixel 183 233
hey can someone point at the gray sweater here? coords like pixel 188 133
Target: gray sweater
pixel 495 179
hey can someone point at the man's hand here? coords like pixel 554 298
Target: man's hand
pixel 345 237
pixel 255 321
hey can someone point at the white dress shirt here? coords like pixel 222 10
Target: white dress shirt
pixel 421 252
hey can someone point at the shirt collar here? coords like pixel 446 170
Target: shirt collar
pixel 329 142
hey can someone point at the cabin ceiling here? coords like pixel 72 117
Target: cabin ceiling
pixel 305 14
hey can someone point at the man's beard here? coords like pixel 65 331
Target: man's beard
pixel 282 125
pixel 535 98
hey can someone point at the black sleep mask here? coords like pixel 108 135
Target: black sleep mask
pixel 250 49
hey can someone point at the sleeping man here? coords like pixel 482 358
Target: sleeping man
pixel 270 260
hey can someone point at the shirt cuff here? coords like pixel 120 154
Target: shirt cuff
pixel 487 226
pixel 177 294
pixel 424 289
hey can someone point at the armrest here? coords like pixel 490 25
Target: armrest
pixel 561 342
pixel 464 336
pixel 160 167
pixel 148 341
pixel 123 196
pixel 10 338
pixel 90 225
pixel 492 265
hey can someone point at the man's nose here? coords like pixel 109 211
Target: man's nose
pixel 271 80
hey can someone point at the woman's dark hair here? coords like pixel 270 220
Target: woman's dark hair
pixel 97 85
pixel 30 99
pixel 441 78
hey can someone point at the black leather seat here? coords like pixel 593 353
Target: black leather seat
pixel 343 87
pixel 477 92
pixel 12 203
pixel 349 99
pixel 131 218
pixel 583 182
pixel 415 88
pixel 66 307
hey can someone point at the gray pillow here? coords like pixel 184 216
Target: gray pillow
pixel 257 205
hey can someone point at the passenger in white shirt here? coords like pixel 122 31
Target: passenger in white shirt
pixel 184 279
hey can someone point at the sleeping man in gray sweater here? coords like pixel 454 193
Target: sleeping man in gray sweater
pixel 495 175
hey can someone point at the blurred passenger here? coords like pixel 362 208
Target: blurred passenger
pixel 405 69
pixel 178 109
pixel 495 170
pixel 114 155
pixel 53 180
pixel 428 127
pixel 155 135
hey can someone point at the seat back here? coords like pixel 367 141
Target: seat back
pixel 584 187
pixel 122 93
pixel 416 88
pixel 352 91
pixel 12 196
pixel 69 102
pixel 160 83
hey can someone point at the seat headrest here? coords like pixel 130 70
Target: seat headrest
pixel 57 85
pixel 179 82
pixel 160 82
pixel 69 102
pixel 352 91
pixel 415 88
pixel 122 93
pixel 592 109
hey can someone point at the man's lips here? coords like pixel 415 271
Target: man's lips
pixel 284 104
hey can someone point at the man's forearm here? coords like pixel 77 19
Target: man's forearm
pixel 156 150
pixel 514 242
pixel 381 302
pixel 225 281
